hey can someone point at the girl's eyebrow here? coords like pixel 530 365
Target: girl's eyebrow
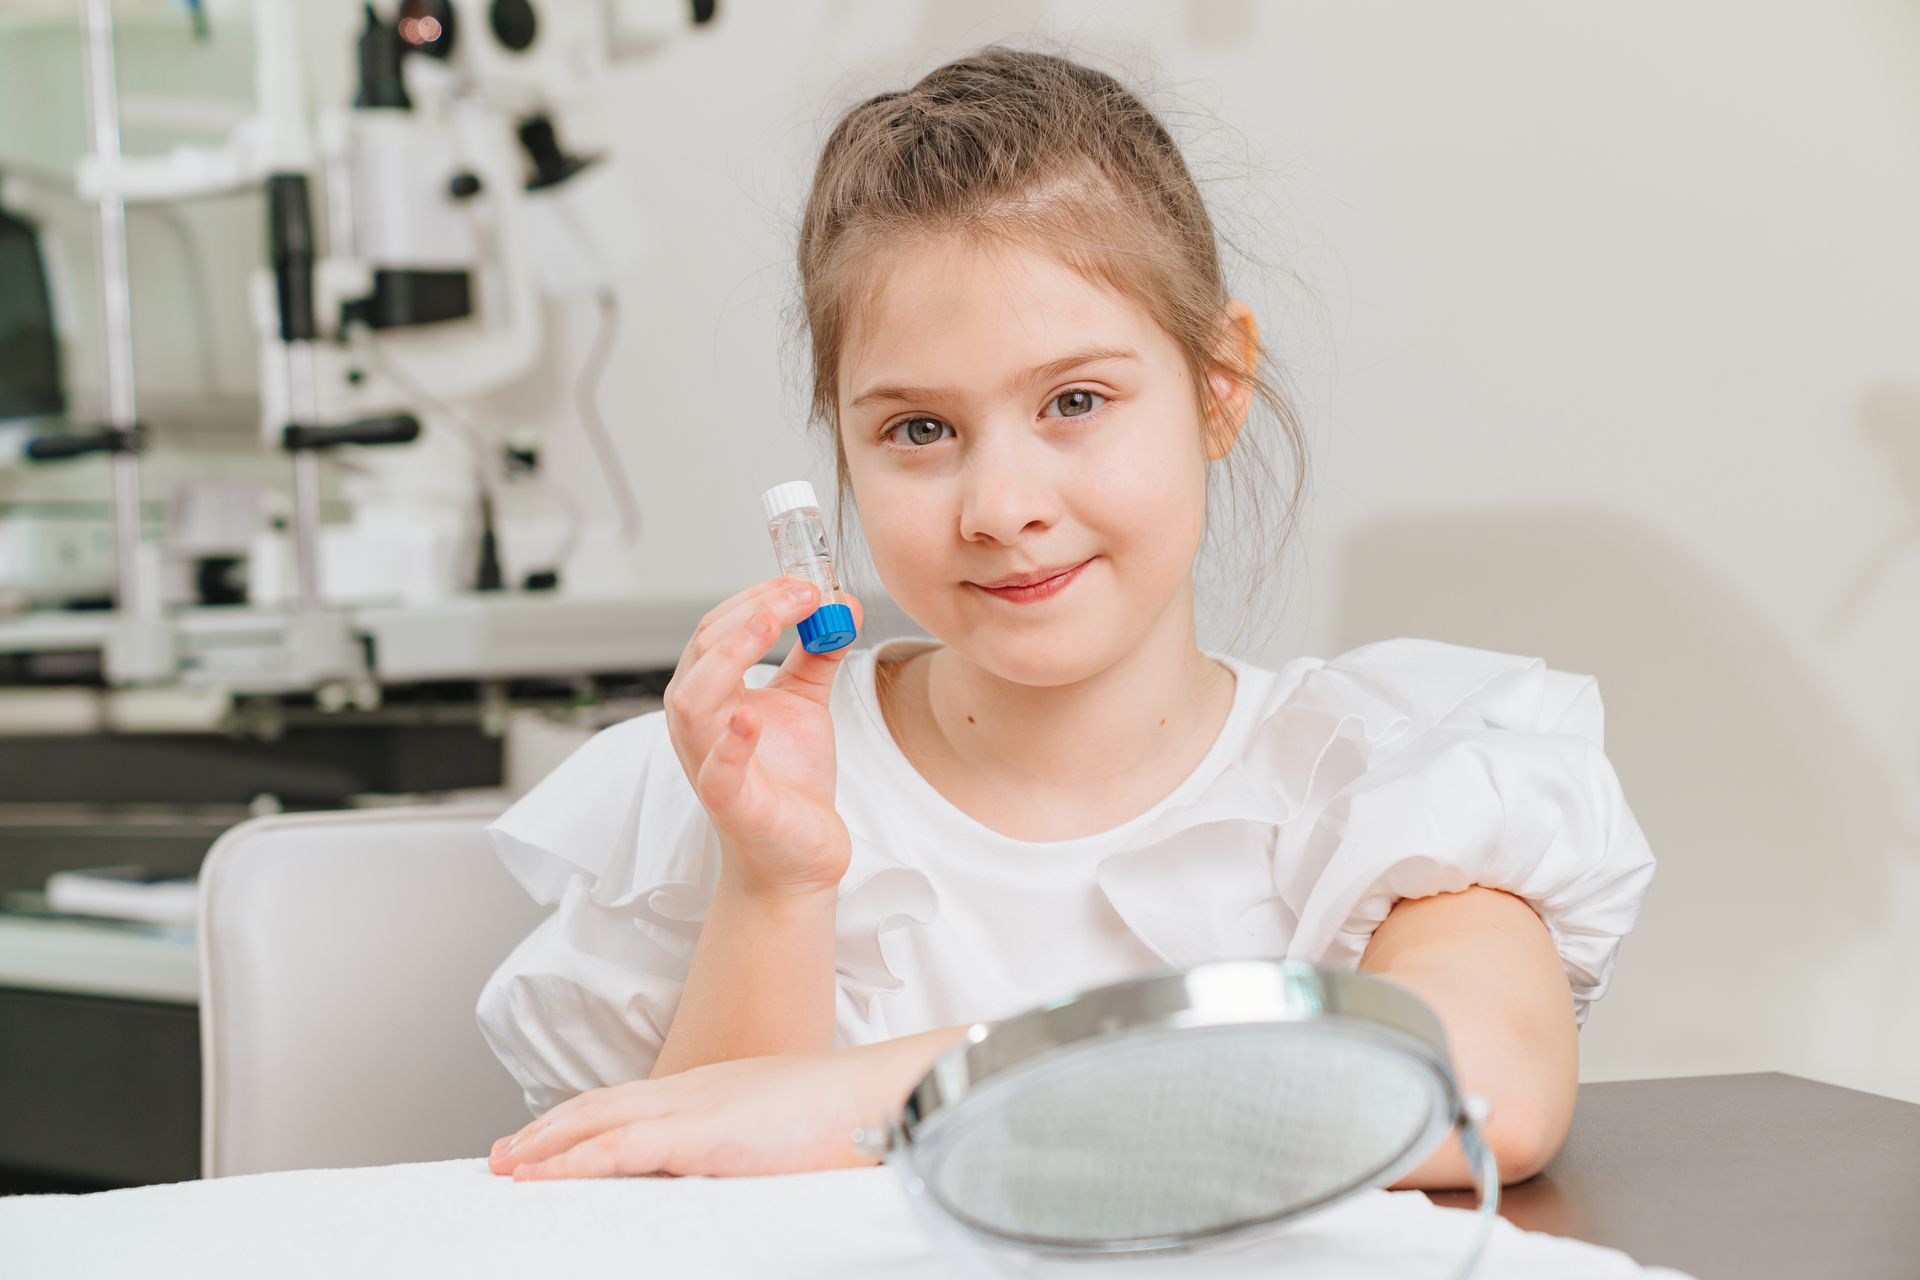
pixel 1051 369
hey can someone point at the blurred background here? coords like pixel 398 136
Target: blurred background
pixel 1603 325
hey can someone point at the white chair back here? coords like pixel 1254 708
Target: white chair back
pixel 341 955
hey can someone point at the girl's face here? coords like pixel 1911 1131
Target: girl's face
pixel 1005 417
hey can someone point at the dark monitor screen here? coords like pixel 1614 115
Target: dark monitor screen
pixel 29 354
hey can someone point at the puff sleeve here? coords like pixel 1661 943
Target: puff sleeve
pixel 1509 788
pixel 1403 769
pixel 616 840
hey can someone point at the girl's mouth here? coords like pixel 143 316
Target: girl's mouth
pixel 1036 591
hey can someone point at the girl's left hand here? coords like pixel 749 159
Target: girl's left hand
pixel 781 1114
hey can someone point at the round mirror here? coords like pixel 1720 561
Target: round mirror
pixel 1181 1108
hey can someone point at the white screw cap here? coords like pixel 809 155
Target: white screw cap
pixel 785 497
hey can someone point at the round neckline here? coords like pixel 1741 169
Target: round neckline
pixel 866 687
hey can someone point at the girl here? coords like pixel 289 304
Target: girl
pixel 783 895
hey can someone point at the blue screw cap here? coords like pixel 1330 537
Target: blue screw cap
pixel 827 628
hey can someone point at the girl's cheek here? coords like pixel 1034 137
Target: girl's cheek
pixel 894 527
pixel 905 547
pixel 1153 493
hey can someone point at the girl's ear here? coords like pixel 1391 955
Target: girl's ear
pixel 1231 377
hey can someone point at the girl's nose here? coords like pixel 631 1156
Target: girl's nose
pixel 1006 493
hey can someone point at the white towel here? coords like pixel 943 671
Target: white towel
pixel 455 1218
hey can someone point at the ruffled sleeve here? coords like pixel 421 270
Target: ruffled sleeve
pixel 616 840
pixel 1399 770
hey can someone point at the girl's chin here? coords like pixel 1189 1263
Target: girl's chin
pixel 1064 652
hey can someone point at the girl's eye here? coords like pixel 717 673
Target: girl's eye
pixel 919 432
pixel 1080 399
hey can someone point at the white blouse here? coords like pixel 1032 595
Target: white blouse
pixel 1337 787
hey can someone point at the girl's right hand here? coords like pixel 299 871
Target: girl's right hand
pixel 749 1116
pixel 762 760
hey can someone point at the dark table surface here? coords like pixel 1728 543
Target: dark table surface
pixel 1755 1176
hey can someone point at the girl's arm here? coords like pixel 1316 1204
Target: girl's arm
pixel 762 979
pixel 1483 961
pixel 761 761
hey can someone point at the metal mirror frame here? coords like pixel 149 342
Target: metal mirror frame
pixel 992 1059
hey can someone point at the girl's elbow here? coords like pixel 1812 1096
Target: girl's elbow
pixel 1522 1139
pixel 1532 1082
pixel 1525 1139
pixel 1519 1155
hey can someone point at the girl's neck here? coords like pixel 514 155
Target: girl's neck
pixel 1145 721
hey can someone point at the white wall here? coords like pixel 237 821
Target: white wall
pixel 1609 349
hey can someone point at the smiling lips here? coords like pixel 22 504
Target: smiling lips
pixel 1030 587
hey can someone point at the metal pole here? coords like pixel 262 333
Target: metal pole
pixel 301 396
pixel 103 122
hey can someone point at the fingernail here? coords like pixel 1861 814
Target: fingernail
pixel 801 593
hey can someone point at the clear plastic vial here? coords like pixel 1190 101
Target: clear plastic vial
pixel 800 545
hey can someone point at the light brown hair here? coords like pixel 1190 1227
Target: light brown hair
pixel 1034 149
